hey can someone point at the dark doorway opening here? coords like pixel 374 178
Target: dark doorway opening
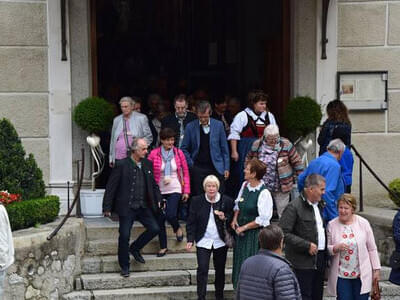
pixel 141 47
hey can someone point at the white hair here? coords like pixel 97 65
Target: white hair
pixel 127 99
pixel 211 179
pixel 271 129
pixel 336 146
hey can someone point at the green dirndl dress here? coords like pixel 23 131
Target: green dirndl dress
pixel 246 245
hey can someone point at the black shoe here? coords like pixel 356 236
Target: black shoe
pixel 137 256
pixel 125 273
pixel 161 254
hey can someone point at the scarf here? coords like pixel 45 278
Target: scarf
pixel 167 156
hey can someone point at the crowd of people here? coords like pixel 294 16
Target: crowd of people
pixel 226 173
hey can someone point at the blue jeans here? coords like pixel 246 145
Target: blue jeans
pixel 144 216
pixel 171 215
pixel 349 289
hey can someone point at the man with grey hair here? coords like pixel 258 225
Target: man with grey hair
pixel 328 166
pixel 305 237
pixel 134 195
pixel 206 148
pixel 126 126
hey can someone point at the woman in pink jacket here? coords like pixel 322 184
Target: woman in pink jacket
pixel 172 176
pixel 355 262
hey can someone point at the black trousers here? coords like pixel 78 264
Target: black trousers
pixel 312 281
pixel 198 174
pixel 144 216
pixel 203 263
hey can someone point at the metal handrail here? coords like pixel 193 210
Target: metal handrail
pixel 77 197
pixel 363 162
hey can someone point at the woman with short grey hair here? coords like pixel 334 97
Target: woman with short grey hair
pixel 6 246
pixel 283 164
pixel 126 126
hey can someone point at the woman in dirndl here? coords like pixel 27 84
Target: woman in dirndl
pixel 247 126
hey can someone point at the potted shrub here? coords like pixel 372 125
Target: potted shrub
pixel 302 117
pixel 94 115
pixel 394 186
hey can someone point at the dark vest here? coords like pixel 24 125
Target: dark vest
pixel 203 158
pixel 139 188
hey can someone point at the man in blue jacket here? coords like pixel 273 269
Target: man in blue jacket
pixel 206 148
pixel 327 165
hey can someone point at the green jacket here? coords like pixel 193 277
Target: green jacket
pixel 300 228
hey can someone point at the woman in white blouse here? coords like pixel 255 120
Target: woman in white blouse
pixel 208 215
pixel 253 210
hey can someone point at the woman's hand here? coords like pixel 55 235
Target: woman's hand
pixel 235 156
pixel 185 197
pixel 189 246
pixel 241 229
pixel 220 214
pixel 340 247
pixel 376 275
pixel 234 224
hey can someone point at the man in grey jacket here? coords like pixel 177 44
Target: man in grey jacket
pixel 6 246
pixel 268 275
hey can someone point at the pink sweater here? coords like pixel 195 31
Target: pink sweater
pixel 181 167
pixel 367 252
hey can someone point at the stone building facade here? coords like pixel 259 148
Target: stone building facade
pixel 38 90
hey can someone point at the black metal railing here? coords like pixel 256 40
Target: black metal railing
pixel 76 198
pixel 363 162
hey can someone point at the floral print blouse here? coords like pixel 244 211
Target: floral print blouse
pixel 349 267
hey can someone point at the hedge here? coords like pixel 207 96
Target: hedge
pixel 28 213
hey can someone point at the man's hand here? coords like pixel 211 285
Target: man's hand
pixel 185 197
pixel 220 214
pixel 234 224
pixel 235 156
pixel 226 175
pixel 111 165
pixel 189 246
pixel 107 213
pixel 313 249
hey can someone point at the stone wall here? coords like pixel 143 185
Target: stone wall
pixel 24 75
pixel 368 40
pixel 45 270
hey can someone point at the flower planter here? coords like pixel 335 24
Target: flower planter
pixel 92 203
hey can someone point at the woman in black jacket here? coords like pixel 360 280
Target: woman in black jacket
pixel 209 213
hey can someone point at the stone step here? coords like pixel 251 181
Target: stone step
pixel 110 247
pixel 171 261
pixel 153 293
pixel 104 228
pixel 108 281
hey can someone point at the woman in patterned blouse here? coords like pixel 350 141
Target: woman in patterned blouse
pixel 355 262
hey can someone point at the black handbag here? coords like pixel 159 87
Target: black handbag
pixel 394 261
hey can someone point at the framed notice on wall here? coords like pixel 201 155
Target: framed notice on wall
pixel 363 90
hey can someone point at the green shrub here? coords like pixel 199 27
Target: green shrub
pixel 394 185
pixel 302 116
pixel 28 213
pixel 18 174
pixel 94 115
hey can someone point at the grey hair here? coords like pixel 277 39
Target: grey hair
pixel 271 129
pixel 336 146
pixel 211 179
pixel 127 99
pixel 313 180
pixel 135 143
pixel 203 106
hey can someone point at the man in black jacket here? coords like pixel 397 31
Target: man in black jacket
pixel 305 237
pixel 179 119
pixel 268 275
pixel 134 195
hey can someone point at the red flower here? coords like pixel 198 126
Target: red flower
pixel 347 257
pixel 350 251
pixel 7 198
pixel 353 273
pixel 351 235
pixel 346 274
pixel 345 236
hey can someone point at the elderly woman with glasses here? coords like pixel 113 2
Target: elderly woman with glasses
pixel 206 224
pixel 283 164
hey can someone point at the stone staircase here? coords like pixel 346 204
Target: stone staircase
pixel 170 277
